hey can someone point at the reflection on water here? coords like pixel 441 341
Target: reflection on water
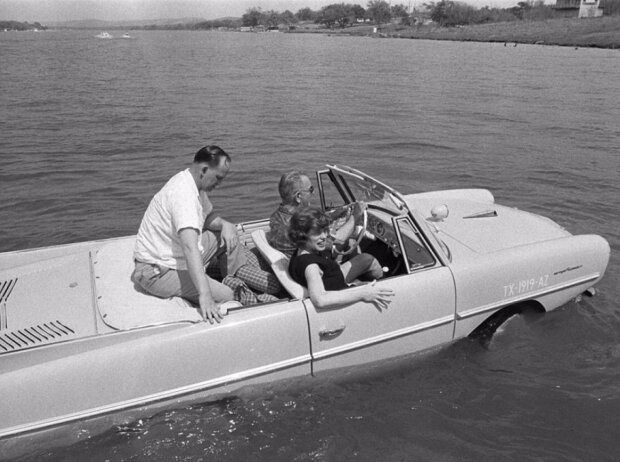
pixel 93 128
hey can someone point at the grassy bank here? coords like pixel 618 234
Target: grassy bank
pixel 601 32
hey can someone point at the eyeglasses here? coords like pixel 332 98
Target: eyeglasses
pixel 310 190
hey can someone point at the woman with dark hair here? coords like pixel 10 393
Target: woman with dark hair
pixel 325 279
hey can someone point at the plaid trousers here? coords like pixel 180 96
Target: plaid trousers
pixel 256 273
pixel 242 293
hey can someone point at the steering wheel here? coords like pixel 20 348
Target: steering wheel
pixel 348 224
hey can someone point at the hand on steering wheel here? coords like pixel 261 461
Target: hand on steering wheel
pixel 352 230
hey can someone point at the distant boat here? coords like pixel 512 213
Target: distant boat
pixel 126 35
pixel 104 35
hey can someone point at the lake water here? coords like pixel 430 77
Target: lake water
pixel 92 128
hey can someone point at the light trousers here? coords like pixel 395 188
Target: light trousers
pixel 166 282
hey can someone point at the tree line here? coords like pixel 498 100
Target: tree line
pixel 443 12
pixel 21 26
pixel 446 13
pixel 451 13
pixel 333 15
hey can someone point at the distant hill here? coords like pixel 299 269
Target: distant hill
pixel 101 24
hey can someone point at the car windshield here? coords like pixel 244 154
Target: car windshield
pixel 374 193
pixel 361 187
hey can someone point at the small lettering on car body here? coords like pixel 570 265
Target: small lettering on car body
pixel 526 285
pixel 573 268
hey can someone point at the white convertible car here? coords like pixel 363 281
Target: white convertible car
pixel 78 340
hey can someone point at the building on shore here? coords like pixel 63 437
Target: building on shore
pixel 578 8
pixel 590 9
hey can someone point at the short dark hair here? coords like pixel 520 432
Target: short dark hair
pixel 212 155
pixel 306 221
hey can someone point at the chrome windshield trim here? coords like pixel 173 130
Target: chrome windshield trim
pixel 158 397
pixel 526 296
pixel 401 205
pixel 383 338
pixel 345 170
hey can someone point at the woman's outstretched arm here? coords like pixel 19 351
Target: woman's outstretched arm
pixel 323 299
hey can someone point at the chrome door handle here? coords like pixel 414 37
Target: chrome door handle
pixel 325 334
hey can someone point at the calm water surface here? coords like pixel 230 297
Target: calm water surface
pixel 91 129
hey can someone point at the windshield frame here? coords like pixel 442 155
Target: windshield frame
pixel 372 191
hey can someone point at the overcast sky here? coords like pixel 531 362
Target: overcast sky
pixel 62 10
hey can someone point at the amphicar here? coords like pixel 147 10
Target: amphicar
pixel 79 340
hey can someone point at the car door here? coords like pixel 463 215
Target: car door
pixel 421 314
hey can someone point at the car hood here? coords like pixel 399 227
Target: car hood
pixel 483 226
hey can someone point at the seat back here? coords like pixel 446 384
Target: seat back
pixel 279 264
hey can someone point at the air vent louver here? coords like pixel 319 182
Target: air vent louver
pixel 49 332
pixel 6 287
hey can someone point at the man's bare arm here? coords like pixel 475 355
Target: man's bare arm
pixel 189 244
pixel 227 230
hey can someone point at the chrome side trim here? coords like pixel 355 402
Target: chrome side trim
pixel 383 338
pixel 526 296
pixel 158 397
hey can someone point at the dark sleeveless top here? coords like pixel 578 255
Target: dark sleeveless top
pixel 333 279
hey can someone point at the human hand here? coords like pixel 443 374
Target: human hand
pixel 209 309
pixel 351 243
pixel 378 296
pixel 368 235
pixel 229 235
pixel 343 246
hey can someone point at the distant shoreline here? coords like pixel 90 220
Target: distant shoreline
pixel 603 32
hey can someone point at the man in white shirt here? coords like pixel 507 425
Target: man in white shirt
pixel 179 235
